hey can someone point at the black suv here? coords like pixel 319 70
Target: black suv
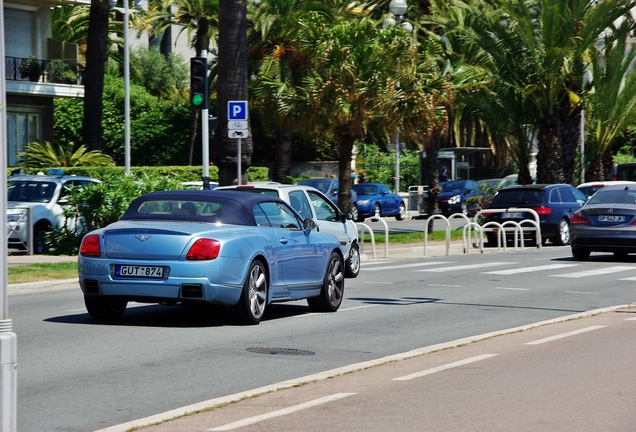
pixel 554 203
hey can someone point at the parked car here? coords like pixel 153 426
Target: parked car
pixel 509 180
pixel 234 249
pixel 46 196
pixel 554 203
pixel 311 203
pixel 452 198
pixel 605 223
pixel 377 200
pixel 590 188
pixel 329 187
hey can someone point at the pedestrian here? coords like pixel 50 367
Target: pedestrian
pixel 444 175
pixel 354 176
pixel 362 176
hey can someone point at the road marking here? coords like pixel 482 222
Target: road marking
pixel 466 267
pixel 582 292
pixel 444 367
pixel 512 289
pixel 633 278
pixel 279 413
pixel 596 272
pixel 530 269
pixel 564 335
pixel 444 285
pixel 422 264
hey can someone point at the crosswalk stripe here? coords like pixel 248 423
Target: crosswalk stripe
pixel 596 272
pixel 530 269
pixel 466 267
pixel 421 264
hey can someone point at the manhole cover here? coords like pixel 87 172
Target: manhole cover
pixel 281 351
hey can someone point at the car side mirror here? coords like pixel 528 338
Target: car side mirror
pixel 348 215
pixel 309 224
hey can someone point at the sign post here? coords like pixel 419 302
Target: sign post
pixel 237 128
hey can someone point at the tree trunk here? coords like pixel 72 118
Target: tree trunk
pixel 570 140
pixel 282 158
pixel 430 165
pixel 96 57
pixel 231 86
pixel 345 148
pixel 548 157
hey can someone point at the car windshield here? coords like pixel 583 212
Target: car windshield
pixel 364 189
pixel 321 185
pixel 517 197
pixel 452 187
pixel 171 209
pixel 30 191
pixel 614 196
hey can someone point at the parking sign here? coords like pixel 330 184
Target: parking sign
pixel 237 110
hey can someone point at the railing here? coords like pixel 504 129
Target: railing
pixel 43 71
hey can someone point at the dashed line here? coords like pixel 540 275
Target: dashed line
pixel 445 367
pixel 422 264
pixel 596 272
pixel 564 335
pixel 281 412
pixel 530 269
pixel 512 289
pixel 466 267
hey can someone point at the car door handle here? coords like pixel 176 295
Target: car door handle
pixel 284 240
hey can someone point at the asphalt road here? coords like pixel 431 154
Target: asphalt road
pixel 78 374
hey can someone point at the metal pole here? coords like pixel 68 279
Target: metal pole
pixel 205 132
pixel 126 91
pixel 397 162
pixel 238 162
pixel 8 339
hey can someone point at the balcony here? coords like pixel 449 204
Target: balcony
pixel 43 71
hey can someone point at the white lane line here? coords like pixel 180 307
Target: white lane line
pixel 530 269
pixel 285 411
pixel 630 319
pixel 512 289
pixel 444 285
pixel 582 292
pixel 564 335
pixel 596 272
pixel 422 264
pixel 628 278
pixel 466 267
pixel 444 367
pixel 379 283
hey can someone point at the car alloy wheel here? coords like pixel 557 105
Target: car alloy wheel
pixel 332 291
pixel 254 297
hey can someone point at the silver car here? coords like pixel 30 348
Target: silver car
pixel 45 196
pixel 309 202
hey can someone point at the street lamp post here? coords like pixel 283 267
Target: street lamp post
pixel 126 11
pixel 398 9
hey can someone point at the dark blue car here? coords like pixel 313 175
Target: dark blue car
pixel 452 198
pixel 377 200
pixel 554 203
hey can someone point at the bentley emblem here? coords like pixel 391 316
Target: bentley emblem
pixel 142 237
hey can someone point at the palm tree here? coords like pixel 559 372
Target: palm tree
pixel 353 83
pixel 611 105
pixel 537 47
pixel 46 155
pixel 283 65
pixel 96 57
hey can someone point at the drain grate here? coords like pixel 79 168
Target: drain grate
pixel 281 351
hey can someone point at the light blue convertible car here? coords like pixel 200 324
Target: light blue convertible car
pixel 208 247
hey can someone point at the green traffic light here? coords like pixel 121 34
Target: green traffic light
pixel 197 99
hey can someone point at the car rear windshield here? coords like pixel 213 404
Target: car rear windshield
pixel 170 209
pixel 517 198
pixel 614 196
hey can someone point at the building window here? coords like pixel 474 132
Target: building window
pixel 22 128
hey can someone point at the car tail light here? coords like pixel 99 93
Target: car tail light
pixel 576 219
pixel 90 246
pixel 204 249
pixel 542 210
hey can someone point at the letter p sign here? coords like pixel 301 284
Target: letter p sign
pixel 237 110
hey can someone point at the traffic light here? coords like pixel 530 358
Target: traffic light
pixel 199 83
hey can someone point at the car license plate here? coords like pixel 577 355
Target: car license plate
pixel 512 215
pixel 611 218
pixel 154 272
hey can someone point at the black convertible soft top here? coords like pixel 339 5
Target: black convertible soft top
pixel 227 207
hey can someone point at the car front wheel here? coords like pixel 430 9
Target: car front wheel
pixel 104 308
pixel 251 305
pixel 332 291
pixel 401 212
pixel 352 266
pixel 355 214
pixel 377 211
